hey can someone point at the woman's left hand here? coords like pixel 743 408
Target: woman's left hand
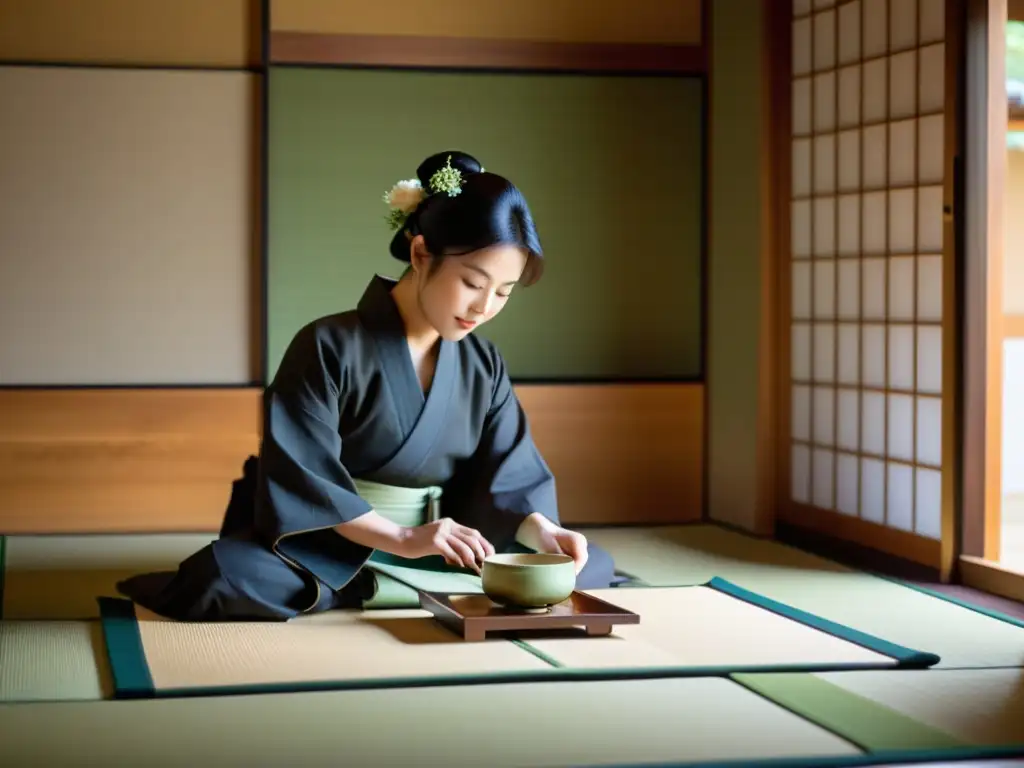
pixel 541 535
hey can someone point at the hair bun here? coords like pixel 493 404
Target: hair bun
pixel 460 161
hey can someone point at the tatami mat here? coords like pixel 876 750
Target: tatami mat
pixel 712 629
pixel 977 706
pixel 901 710
pixel 522 725
pixel 693 554
pixel 682 631
pixel 60 577
pixel 52 661
pixel 152 656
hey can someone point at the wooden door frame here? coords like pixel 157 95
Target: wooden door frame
pixel 985 124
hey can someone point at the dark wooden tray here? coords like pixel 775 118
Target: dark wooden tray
pixel 472 616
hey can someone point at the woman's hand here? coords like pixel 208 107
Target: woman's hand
pixel 541 535
pixel 460 546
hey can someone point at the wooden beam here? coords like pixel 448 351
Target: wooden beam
pixel 403 51
pixel 776 112
pixel 984 190
pixel 950 526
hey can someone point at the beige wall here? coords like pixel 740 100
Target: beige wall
pixel 126 221
pixel 128 202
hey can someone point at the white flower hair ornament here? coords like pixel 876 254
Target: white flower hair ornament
pixel 406 196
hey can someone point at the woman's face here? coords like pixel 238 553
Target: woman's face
pixel 464 292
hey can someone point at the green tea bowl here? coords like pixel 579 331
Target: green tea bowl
pixel 530 581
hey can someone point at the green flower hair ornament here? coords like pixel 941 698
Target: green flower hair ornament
pixel 405 196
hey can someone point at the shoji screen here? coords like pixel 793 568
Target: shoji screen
pixel 866 247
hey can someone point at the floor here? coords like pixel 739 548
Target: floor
pixel 692 554
pixel 870 560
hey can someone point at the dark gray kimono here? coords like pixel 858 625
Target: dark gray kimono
pixel 346 403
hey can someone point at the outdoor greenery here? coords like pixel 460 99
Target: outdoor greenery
pixel 1015 51
pixel 1015 76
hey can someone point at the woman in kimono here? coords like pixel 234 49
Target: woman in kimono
pixel 391 427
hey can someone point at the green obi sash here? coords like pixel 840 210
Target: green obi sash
pixel 404 506
pixel 398 579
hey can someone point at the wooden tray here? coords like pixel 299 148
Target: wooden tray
pixel 472 616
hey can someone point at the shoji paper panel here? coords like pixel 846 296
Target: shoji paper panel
pixel 223 33
pixel 866 260
pixel 127 212
pixel 611 167
pixel 567 21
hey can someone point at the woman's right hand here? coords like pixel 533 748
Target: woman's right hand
pixel 459 545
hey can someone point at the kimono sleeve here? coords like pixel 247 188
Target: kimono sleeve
pixel 303 489
pixel 511 478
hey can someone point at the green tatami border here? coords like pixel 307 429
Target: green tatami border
pixel 904 756
pixel 906 657
pixel 128 667
pixel 989 612
pixel 3 570
pixel 865 723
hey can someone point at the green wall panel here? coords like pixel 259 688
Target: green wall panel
pixel 611 167
pixel 735 276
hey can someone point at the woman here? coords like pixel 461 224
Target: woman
pixel 383 414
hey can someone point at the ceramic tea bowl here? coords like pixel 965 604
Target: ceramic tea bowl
pixel 528 580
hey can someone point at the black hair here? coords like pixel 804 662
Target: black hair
pixel 490 210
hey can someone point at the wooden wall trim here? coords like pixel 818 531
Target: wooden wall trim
pixel 891 541
pixel 310 48
pixel 622 453
pixel 122 460
pixel 162 461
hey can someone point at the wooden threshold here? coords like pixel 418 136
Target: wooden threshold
pixel 991 577
pixel 826 525
pixel 311 48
